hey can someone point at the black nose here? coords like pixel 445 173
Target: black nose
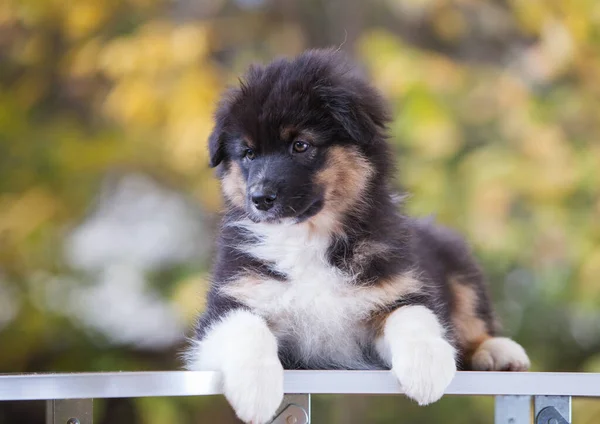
pixel 264 199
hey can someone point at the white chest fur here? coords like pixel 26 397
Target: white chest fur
pixel 316 310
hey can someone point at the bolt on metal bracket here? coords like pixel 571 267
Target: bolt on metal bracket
pixel 552 409
pixel 295 409
pixel 549 415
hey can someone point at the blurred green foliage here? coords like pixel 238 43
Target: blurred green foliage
pixel 497 129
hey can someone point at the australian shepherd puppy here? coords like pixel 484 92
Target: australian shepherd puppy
pixel 316 266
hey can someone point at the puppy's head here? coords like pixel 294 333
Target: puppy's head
pixel 299 138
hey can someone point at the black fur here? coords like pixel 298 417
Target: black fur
pixel 319 92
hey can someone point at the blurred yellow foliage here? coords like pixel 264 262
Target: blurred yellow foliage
pixel 21 214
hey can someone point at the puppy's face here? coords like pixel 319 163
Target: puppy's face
pixel 275 176
pixel 293 139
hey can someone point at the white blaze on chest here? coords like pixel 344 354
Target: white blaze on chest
pixel 317 308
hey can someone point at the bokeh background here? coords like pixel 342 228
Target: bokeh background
pixel 108 209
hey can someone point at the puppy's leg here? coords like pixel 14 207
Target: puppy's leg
pixel 244 350
pixel 413 345
pixel 472 315
pixel 475 329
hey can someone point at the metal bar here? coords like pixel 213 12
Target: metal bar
pixel 72 411
pixel 562 405
pixel 512 410
pixel 295 409
pixel 188 383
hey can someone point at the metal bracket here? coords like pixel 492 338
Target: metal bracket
pixel 71 411
pixel 295 409
pixel 549 415
pixel 552 410
pixel 511 409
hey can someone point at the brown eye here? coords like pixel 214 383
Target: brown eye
pixel 249 154
pixel 300 146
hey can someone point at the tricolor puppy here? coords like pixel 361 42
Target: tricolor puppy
pixel 316 267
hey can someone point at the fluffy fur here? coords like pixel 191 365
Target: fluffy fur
pixel 243 348
pixel 316 266
pixel 414 346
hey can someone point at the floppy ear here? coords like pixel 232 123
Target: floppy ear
pixel 358 108
pixel 217 138
pixel 348 114
pixel 216 145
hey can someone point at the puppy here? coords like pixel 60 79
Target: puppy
pixel 316 268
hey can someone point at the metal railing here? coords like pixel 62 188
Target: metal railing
pixel 69 396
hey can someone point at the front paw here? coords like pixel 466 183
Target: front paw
pixel 255 390
pixel 424 368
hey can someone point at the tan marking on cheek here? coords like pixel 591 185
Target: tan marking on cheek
pixel 234 186
pixel 471 330
pixel 345 177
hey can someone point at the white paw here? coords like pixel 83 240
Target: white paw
pixel 255 391
pixel 500 354
pixel 424 368
pixel 244 350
